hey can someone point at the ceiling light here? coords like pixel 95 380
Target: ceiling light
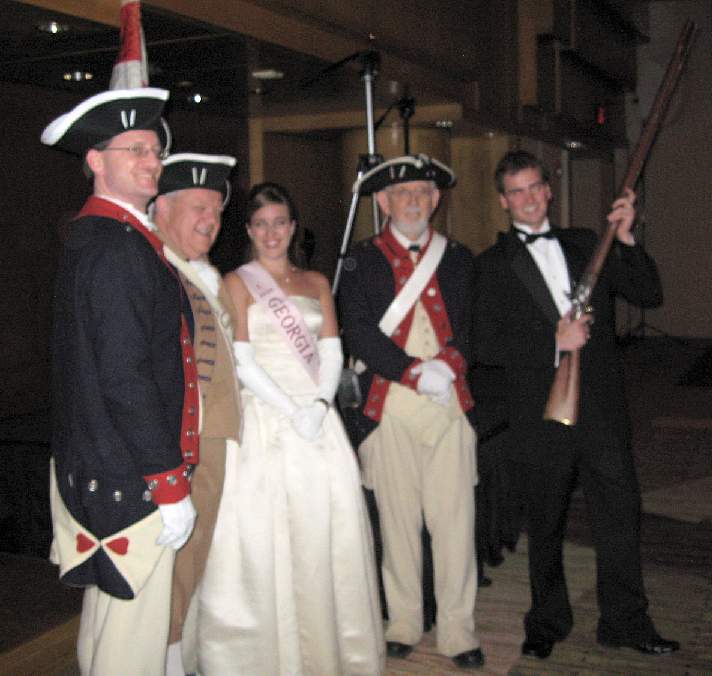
pixel 573 145
pixel 444 124
pixel 267 74
pixel 198 98
pixel 52 27
pixel 78 76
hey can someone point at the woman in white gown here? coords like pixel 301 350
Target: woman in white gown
pixel 290 584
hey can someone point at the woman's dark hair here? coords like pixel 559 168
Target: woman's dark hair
pixel 514 162
pixel 264 194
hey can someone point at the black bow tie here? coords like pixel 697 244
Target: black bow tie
pixel 534 236
pixel 414 247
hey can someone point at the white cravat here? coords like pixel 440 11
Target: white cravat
pixel 141 216
pixel 549 258
pixel 405 242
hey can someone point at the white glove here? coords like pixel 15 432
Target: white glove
pixel 178 521
pixel 331 364
pixel 208 274
pixel 259 381
pixel 442 399
pixel 308 419
pixel 435 380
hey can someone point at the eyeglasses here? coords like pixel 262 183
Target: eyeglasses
pixel 403 194
pixel 533 189
pixel 141 151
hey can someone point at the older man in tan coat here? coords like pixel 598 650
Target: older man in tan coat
pixel 192 193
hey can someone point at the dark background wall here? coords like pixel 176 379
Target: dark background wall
pixel 41 190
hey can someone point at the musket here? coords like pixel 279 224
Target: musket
pixel 563 402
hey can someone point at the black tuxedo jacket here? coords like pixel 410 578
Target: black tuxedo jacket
pixel 515 325
pixel 367 289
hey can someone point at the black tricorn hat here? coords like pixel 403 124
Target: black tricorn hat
pixel 403 169
pixel 193 170
pixel 108 114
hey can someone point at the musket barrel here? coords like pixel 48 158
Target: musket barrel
pixel 562 404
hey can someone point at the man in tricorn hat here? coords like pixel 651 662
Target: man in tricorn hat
pixel 405 302
pixel 124 391
pixel 192 193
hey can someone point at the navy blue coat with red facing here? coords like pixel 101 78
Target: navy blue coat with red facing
pixel 370 281
pixel 118 385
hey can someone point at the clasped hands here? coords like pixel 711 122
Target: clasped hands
pixel 435 380
pixel 307 420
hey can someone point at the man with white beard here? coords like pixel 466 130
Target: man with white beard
pixel 406 308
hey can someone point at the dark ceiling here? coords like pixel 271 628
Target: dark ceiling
pixel 184 56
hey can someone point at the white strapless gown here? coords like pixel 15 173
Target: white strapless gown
pixel 290 585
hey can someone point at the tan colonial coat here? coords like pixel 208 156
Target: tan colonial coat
pixel 220 422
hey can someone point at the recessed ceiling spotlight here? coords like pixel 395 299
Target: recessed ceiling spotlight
pixel 198 98
pixel 573 145
pixel 267 74
pixel 444 124
pixel 53 27
pixel 78 76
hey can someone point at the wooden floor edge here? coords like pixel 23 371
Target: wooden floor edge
pixel 49 653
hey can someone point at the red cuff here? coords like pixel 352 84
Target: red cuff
pixel 410 379
pixel 168 487
pixel 452 357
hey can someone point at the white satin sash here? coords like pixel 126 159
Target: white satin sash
pixel 284 314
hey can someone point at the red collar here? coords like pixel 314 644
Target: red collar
pixel 394 245
pixel 98 206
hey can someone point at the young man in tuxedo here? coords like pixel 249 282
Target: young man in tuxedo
pixel 522 323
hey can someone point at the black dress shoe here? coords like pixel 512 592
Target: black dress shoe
pixel 654 645
pixel 399 650
pixel 484 581
pixel 470 659
pixel 537 648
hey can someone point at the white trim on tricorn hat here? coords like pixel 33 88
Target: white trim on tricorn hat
pixel 194 170
pixel 419 167
pixel 108 114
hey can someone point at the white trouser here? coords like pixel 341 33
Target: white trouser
pixel 119 637
pixel 424 467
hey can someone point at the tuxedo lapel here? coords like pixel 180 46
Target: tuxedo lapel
pixel 575 258
pixel 527 271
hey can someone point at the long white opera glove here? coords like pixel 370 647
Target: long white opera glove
pixel 307 420
pixel 207 273
pixel 178 521
pixel 435 380
pixel 331 364
pixel 259 381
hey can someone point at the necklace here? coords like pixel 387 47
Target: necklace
pixel 286 278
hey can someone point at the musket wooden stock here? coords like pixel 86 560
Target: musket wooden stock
pixel 563 402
